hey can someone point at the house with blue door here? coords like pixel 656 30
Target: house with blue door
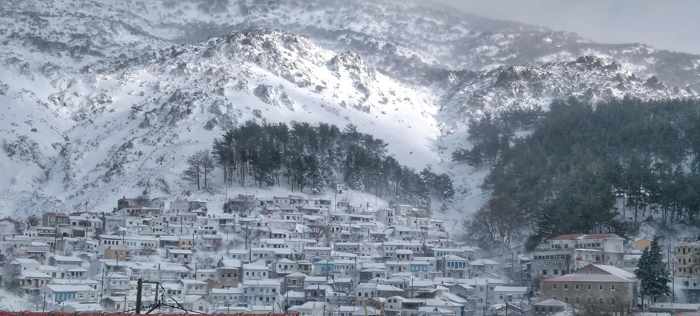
pixel 454 266
pixel 421 268
pixel 334 267
pixel 62 293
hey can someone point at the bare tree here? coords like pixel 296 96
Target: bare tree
pixel 193 171
pixel 207 163
pixel 199 167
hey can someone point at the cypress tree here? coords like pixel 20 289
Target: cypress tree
pixel 652 273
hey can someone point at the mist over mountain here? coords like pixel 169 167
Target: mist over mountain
pixel 100 99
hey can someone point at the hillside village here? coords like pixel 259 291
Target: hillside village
pixel 308 256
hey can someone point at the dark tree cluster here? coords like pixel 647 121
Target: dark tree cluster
pixel 579 160
pixel 311 158
pixel 491 134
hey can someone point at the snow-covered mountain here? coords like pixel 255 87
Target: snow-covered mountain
pixel 134 121
pixel 104 98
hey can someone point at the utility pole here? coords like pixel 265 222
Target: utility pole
pixel 139 289
pixel 246 234
pixel 102 283
pixel 486 297
pixel 55 238
pixel 512 270
pixel 673 281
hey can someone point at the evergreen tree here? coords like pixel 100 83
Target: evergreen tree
pixel 311 158
pixel 578 160
pixel 652 272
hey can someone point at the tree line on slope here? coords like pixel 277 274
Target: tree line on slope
pixel 310 158
pixel 579 161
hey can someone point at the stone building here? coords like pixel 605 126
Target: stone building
pixel 567 253
pixel 686 274
pixel 600 287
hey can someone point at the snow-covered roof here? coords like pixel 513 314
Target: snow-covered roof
pixel 510 289
pixel 69 288
pixel 25 261
pixel 296 275
pixel 230 263
pixel 295 294
pixel 616 271
pixel 586 236
pixel 191 282
pixel 551 302
pixel 33 274
pixel 316 279
pixel 67 258
pixel 83 307
pixel 257 265
pixel 483 262
pixel 588 277
pixel 88 282
pixel 180 251
pixel 266 282
pixel 308 306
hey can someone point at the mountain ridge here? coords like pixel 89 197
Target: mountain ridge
pixel 102 98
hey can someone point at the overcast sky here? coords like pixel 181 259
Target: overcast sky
pixel 668 24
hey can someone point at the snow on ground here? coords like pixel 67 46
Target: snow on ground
pixel 13 303
pixel 469 197
pixel 125 130
pixel 356 198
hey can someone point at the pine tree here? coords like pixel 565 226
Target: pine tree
pixel 652 273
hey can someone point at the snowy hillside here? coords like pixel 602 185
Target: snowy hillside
pixel 136 120
pixel 536 85
pixel 104 98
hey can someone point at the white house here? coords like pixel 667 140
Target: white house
pixel 60 293
pixel 255 271
pixel 226 297
pixel 261 292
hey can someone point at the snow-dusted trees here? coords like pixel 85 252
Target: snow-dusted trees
pixel 311 158
pixel 583 167
pixel 199 168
